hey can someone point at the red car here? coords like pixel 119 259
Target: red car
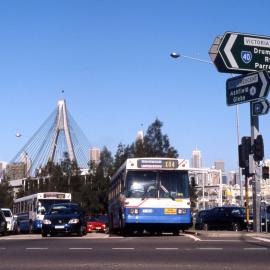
pixel 97 223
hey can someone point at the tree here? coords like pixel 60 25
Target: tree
pixel 95 192
pixel 154 144
pixel 192 192
pixel 6 195
pixel 122 154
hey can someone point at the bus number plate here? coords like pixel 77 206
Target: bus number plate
pixel 147 211
pixel 170 211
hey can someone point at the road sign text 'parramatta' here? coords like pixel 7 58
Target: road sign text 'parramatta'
pixel 243 53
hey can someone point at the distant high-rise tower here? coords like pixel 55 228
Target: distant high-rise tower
pixel 140 135
pixel 196 159
pixel 95 155
pixel 220 165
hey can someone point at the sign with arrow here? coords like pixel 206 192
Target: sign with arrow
pixel 248 87
pixel 243 53
pixel 260 107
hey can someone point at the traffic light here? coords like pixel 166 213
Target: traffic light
pixel 258 148
pixel 265 172
pixel 244 149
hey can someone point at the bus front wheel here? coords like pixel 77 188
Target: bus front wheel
pixel 30 228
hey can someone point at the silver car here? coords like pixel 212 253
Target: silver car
pixel 11 220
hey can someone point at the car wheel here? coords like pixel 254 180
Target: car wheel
pixel 18 231
pixel 81 231
pixel 205 227
pixel 236 227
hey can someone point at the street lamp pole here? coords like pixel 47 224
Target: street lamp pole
pixel 176 55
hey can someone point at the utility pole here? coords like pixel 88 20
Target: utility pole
pixel 254 169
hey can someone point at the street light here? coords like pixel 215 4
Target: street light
pixel 176 55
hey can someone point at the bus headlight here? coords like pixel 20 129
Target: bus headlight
pixel 74 221
pixel 181 211
pixel 47 221
pixel 134 211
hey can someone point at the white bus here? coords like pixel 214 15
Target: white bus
pixel 150 194
pixel 30 209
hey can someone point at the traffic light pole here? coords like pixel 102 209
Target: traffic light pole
pixel 247 202
pixel 255 171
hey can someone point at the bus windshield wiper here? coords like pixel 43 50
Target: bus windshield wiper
pixel 147 191
pixel 166 191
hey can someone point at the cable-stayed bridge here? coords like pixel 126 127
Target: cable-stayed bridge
pixel 56 138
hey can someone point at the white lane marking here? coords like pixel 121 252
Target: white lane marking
pixel 166 248
pixel 2 248
pixel 221 240
pixel 210 248
pixel 80 248
pixel 262 239
pixel 36 248
pixel 195 238
pixel 255 248
pixel 123 248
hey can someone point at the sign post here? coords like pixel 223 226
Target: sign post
pixel 254 122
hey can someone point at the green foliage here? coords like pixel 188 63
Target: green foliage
pixel 122 153
pixel 91 190
pixel 192 192
pixel 156 144
pixel 6 195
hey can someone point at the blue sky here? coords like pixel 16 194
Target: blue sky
pixel 112 60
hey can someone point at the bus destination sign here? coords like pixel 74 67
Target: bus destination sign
pixel 157 163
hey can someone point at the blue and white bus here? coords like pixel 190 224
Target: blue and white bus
pixel 150 194
pixel 30 209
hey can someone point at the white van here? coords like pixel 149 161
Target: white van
pixel 11 220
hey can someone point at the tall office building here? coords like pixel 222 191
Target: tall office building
pixel 2 169
pixel 220 165
pixel 232 178
pixel 196 159
pixel 140 136
pixel 95 154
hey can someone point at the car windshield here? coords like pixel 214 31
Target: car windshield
pixel 93 219
pixel 157 184
pixel 7 213
pixel 99 218
pixel 64 209
pixel 103 219
pixel 238 211
pixel 45 205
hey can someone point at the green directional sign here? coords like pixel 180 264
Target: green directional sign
pixel 243 53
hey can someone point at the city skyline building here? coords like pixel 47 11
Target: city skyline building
pixel 3 165
pixel 219 165
pixel 196 159
pixel 94 154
